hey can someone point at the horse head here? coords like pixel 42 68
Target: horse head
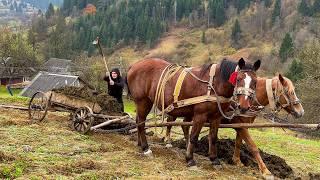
pixel 286 97
pixel 245 84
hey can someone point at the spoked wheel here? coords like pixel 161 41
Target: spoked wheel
pixel 82 120
pixel 38 107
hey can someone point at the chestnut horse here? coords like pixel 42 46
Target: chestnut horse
pixel 143 78
pixel 285 98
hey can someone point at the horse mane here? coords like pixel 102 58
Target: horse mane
pixel 227 67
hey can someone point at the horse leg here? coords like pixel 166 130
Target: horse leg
pixel 168 132
pixel 186 130
pixel 255 152
pixel 236 154
pixel 143 108
pixel 198 122
pixel 212 140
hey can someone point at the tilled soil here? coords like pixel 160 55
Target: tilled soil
pixel 225 148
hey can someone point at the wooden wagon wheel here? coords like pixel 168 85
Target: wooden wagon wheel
pixel 82 119
pixel 38 107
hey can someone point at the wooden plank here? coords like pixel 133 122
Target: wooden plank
pixel 14 107
pixel 110 122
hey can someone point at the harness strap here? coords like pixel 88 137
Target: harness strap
pixel 212 73
pixel 271 100
pixel 178 86
pixel 196 100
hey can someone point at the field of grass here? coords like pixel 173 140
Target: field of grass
pixel 6 98
pixel 52 150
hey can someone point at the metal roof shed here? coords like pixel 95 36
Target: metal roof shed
pixel 45 82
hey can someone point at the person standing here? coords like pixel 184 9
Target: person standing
pixel 115 85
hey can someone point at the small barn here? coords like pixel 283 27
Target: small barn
pixel 45 82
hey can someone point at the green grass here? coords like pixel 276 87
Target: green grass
pixel 6 98
pixel 129 106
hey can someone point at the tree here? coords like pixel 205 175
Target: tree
pixel 203 37
pixel 276 11
pixel 286 49
pixel 295 72
pixel 236 32
pixel 50 11
pixel 316 7
pixel 304 9
pixel 267 3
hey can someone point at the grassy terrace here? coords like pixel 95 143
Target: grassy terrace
pixel 51 150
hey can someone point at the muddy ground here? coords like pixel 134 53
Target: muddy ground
pixel 225 147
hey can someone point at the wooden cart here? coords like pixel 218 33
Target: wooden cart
pixel 85 115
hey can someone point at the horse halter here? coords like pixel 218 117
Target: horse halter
pixel 242 90
pixel 284 92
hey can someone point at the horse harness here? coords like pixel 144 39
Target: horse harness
pixel 195 100
pixel 172 69
pixel 274 96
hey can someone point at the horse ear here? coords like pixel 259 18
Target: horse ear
pixel 281 79
pixel 256 65
pixel 241 63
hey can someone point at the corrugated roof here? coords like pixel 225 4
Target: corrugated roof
pixel 57 66
pixel 46 82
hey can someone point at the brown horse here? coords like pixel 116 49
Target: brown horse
pixel 285 97
pixel 143 78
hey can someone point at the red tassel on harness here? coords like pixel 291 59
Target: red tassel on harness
pixel 233 78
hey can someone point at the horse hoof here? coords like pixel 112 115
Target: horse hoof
pixel 169 145
pixel 191 163
pixel 268 175
pixel 148 153
pixel 237 162
pixel 216 162
pixel 193 168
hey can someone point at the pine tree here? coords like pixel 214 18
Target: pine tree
pixel 241 4
pixel 316 7
pixel 286 49
pixel 295 72
pixel 267 3
pixel 50 11
pixel 236 32
pixel 203 37
pixel 304 9
pixel 220 13
pixel 276 11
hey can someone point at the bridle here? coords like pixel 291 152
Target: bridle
pixel 242 90
pixel 284 93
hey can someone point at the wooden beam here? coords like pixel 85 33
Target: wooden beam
pixel 240 125
pixel 14 107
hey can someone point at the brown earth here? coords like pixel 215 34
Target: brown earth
pixel 225 147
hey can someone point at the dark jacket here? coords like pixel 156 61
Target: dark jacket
pixel 115 90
